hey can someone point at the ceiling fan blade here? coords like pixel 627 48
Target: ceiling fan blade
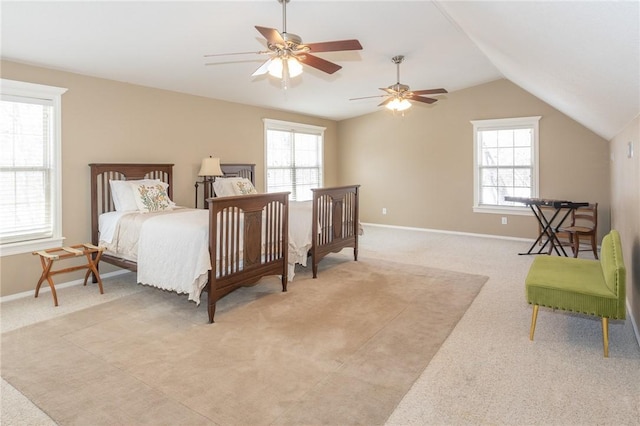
pixel 272 35
pixel 260 52
pixel 367 97
pixel 318 63
pixel 429 92
pixel 386 101
pixel 263 69
pixel 334 46
pixel 389 91
pixel 422 99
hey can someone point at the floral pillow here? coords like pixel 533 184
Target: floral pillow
pixel 122 194
pixel 244 187
pixel 152 197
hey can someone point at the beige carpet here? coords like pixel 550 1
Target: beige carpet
pixel 341 349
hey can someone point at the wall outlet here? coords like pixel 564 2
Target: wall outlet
pixel 504 220
pixel 384 210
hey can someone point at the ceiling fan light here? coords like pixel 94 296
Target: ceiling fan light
pixel 295 67
pixel 275 68
pixel 398 104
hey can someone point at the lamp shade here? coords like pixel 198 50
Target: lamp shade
pixel 210 167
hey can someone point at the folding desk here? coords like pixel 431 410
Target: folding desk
pixel 548 227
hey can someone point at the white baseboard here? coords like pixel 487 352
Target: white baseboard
pixel 440 231
pixel 46 288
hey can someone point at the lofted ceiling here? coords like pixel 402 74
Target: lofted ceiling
pixel 582 57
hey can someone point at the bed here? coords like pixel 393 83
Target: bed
pixel 236 242
pixel 328 223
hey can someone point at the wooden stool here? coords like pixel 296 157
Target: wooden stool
pixel 47 257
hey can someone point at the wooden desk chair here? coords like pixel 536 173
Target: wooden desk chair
pixel 584 224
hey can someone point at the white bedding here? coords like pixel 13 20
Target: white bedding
pixel 171 248
pixel 300 239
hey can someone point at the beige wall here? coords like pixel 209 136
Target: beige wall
pixel 108 121
pixel 420 166
pixel 625 202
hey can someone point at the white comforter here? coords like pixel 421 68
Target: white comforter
pixel 171 248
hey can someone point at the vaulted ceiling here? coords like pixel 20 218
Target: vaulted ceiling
pixel 582 57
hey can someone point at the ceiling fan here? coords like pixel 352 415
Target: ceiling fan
pixel 289 53
pixel 399 95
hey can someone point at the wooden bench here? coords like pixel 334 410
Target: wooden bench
pixel 581 285
pixel 48 257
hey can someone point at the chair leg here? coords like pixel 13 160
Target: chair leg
pixel 594 246
pixel 534 317
pixel 576 245
pixel 605 336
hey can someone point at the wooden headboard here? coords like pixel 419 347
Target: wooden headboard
pixel 240 170
pixel 103 173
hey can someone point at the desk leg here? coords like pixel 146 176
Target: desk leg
pixel 547 231
pixel 566 215
pixel 551 236
pixel 545 227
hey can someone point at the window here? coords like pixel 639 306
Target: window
pixel 30 201
pixel 505 163
pixel 294 158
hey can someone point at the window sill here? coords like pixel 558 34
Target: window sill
pixel 29 246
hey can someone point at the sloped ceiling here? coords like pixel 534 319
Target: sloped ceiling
pixel 583 58
pixel 580 57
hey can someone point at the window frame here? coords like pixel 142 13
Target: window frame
pixel 505 124
pixel 52 95
pixel 289 126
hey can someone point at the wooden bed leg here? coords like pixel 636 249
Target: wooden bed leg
pixel 315 270
pixel 285 279
pixel 212 312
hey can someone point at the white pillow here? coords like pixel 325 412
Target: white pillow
pixel 122 194
pixel 224 187
pixel 244 187
pixel 151 197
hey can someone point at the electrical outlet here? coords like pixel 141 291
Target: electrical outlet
pixel 504 220
pixel 384 210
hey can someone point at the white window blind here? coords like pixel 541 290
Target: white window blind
pixel 506 161
pixel 293 158
pixel 29 166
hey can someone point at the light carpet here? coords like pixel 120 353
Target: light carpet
pixel 341 349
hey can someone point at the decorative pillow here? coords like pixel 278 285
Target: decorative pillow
pixel 225 187
pixel 244 187
pixel 152 197
pixel 122 194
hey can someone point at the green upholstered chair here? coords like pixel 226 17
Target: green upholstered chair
pixel 593 287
